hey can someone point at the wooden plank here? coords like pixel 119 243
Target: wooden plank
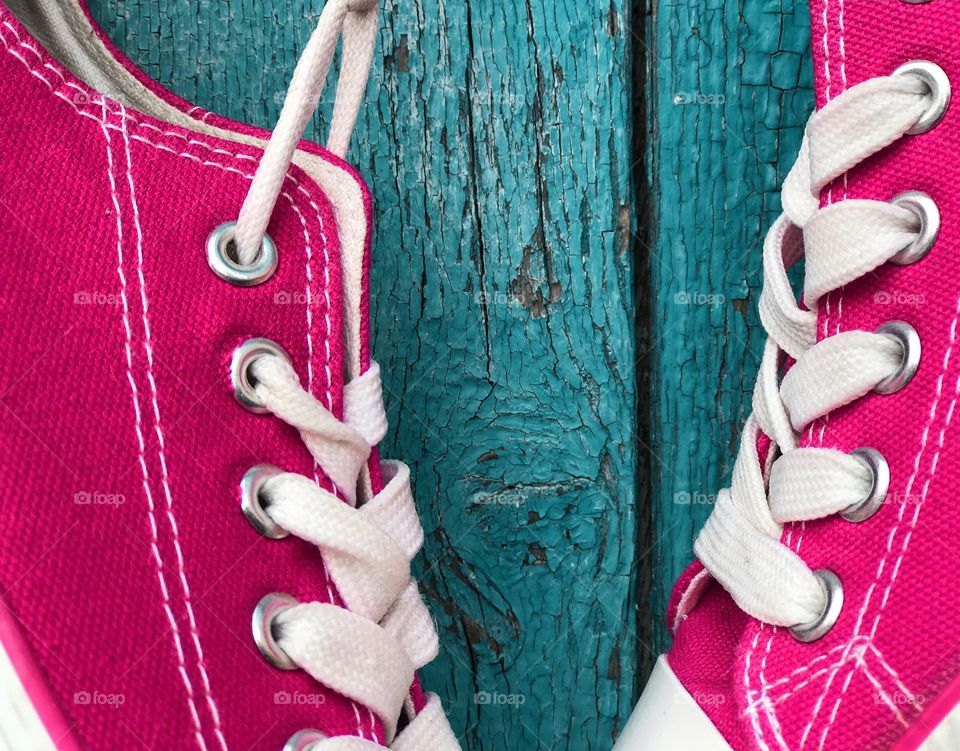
pixel 497 140
pixel 730 92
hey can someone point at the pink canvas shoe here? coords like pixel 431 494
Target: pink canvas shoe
pixel 183 570
pixel 820 613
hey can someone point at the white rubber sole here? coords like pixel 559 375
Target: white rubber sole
pixel 667 718
pixel 947 735
pixel 21 728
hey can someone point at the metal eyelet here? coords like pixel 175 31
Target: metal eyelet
pixel 833 603
pixel 880 470
pixel 915 2
pixel 264 616
pixel 928 213
pixel 223 261
pixel 938 81
pixel 909 340
pixel 304 740
pixel 244 388
pixel 250 503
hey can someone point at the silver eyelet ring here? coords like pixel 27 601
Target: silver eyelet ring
pixel 935 77
pixel 928 213
pixel 833 593
pixel 880 471
pixel 224 264
pixel 264 617
pixel 250 503
pixel 909 340
pixel 915 2
pixel 304 740
pixel 243 357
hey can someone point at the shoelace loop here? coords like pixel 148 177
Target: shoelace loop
pixel 355 21
pixel 740 544
pixel 368 650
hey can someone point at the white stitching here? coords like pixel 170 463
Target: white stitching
pixel 85 94
pixel 843 80
pixel 891 672
pixel 932 472
pixel 96 100
pixel 770 712
pixel 894 530
pixel 799 686
pixel 758 734
pixel 883 695
pixel 805 667
pixel 158 558
pixel 329 398
pixel 839 316
pixel 161 444
pixel 916 464
pixel 836 706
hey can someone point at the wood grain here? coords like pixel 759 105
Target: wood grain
pixel 497 139
pixel 729 92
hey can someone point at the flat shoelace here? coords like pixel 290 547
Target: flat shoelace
pixel 369 650
pixel 428 731
pixel 740 544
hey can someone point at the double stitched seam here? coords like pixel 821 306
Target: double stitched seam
pixel 894 532
pixel 856 659
pixel 839 315
pixel 769 711
pixel 83 98
pixel 764 702
pixel 80 103
pixel 148 492
pixel 161 447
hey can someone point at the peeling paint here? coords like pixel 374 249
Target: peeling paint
pixel 496 138
pixel 731 88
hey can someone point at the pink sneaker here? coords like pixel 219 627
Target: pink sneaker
pixel 150 346
pixel 819 615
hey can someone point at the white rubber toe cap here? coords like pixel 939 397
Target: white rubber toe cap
pixel 667 718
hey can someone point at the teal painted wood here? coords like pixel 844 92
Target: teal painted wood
pixel 497 141
pixel 731 88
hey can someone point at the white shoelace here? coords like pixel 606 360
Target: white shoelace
pixel 356 22
pixel 740 544
pixel 369 650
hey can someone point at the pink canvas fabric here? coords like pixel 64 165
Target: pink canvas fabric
pixel 129 571
pixel 212 118
pixel 889 661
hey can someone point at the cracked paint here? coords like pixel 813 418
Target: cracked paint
pixel 729 93
pixel 497 140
